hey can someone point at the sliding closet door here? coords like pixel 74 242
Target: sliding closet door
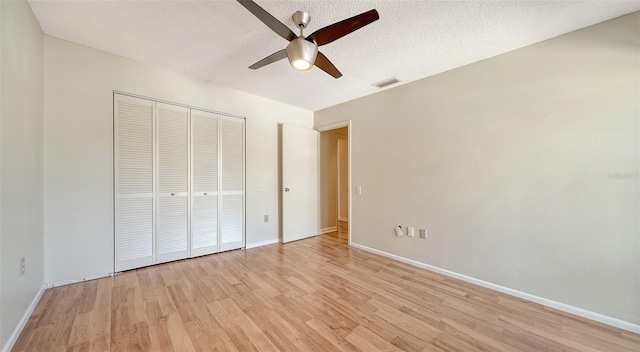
pixel 232 183
pixel 133 155
pixel 204 186
pixel 172 214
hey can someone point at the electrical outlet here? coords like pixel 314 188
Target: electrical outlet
pixel 399 231
pixel 411 232
pixel 23 267
pixel 266 217
pixel 423 234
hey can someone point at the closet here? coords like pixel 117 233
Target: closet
pixel 179 182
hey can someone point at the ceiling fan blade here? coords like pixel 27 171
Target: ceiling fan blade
pixel 280 28
pixel 325 65
pixel 277 56
pixel 338 30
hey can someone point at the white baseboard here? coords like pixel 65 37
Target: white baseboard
pixel 75 281
pixel 23 321
pixel 328 229
pixel 625 325
pixel 343 219
pixel 260 244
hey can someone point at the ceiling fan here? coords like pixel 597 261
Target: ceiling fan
pixel 303 51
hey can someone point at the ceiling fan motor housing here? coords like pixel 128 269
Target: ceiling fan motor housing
pixel 301 19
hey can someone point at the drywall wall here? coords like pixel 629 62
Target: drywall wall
pixel 21 180
pixel 2 341
pixel 78 144
pixel 329 177
pixel 343 178
pixel 523 168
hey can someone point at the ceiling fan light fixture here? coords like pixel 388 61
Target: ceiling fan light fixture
pixel 302 54
pixel 301 65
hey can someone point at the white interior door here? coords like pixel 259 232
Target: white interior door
pixel 172 217
pixel 133 134
pixel 204 186
pixel 231 183
pixel 299 182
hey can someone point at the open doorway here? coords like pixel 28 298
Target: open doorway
pixel 335 192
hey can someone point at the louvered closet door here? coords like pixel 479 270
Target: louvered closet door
pixel 232 183
pixel 172 215
pixel 133 143
pixel 204 186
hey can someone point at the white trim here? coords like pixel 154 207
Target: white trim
pixel 621 324
pixel 328 229
pixel 343 219
pixel 263 243
pixel 23 321
pixel 350 140
pixel 75 281
pixel 189 186
pixel 333 126
pixel 178 104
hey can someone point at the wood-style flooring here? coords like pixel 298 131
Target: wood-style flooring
pixel 342 235
pixel 316 294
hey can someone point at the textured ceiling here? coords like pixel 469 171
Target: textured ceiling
pixel 218 40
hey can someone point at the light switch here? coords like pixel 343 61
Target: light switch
pixel 359 189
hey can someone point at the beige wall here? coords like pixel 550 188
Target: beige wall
pixel 343 178
pixel 2 341
pixel 78 144
pixel 523 168
pixel 329 176
pixel 21 193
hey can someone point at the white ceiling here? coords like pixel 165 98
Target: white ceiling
pixel 218 40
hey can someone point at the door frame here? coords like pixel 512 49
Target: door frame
pixel 333 126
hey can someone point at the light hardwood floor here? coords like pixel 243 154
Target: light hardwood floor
pixel 342 235
pixel 316 294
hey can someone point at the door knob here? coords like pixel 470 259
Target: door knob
pixel 173 194
pixel 286 190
